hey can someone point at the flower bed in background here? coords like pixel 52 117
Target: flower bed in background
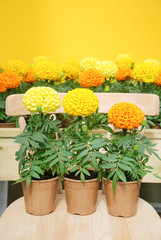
pixel 100 76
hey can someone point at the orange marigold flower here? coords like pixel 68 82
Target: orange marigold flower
pixel 125 116
pixel 30 77
pixel 123 74
pixel 91 77
pixel 157 81
pixel 2 88
pixel 10 79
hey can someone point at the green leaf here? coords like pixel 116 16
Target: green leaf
pixel 65 153
pixel 111 173
pixel 28 180
pixel 121 175
pixel 94 162
pixel 51 158
pixel 35 175
pixel 124 167
pixel 108 165
pixel 74 169
pixel 85 159
pixel 35 144
pixel 82 177
pixel 53 162
pixel 86 171
pixel 37 169
pixel 52 151
pixel 114 183
pixel 82 154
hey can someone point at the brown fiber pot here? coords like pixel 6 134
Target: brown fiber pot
pixel 81 197
pixel 124 202
pixel 40 196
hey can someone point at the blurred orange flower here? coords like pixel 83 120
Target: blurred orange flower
pixel 10 79
pixel 123 74
pixel 30 77
pixel 91 77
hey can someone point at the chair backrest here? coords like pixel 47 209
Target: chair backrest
pixel 149 103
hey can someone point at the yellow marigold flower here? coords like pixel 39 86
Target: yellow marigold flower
pixel 73 63
pixel 124 61
pixel 30 77
pixel 45 97
pixel 88 63
pixel 47 71
pixel 91 77
pixel 145 72
pixel 125 116
pixel 18 67
pixel 40 59
pixel 123 74
pixel 2 88
pixel 80 102
pixel 154 61
pixel 109 69
pixel 70 71
pixel 157 81
pixel 10 79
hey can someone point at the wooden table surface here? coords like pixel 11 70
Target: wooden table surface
pixel 16 224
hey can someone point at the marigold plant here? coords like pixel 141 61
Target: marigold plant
pixel 17 66
pixel 30 77
pixel 47 71
pixel 88 63
pixel 109 69
pixel 45 97
pixel 80 102
pixel 10 79
pixel 124 61
pixel 145 72
pixel 91 78
pixel 125 116
pixel 123 74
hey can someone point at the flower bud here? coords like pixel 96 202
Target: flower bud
pixel 136 147
pixel 39 108
pixel 107 88
pixel 143 123
pixel 84 128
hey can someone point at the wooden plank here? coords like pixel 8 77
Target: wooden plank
pixel 15 223
pixel 149 103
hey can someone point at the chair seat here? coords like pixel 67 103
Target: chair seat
pixel 15 223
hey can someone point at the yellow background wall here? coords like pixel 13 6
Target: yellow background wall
pixel 75 29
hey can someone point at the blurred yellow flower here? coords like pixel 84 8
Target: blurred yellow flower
pixel 88 63
pixel 124 61
pixel 49 71
pixel 45 97
pixel 18 67
pixel 73 63
pixel 109 69
pixel 40 59
pixel 154 61
pixel 70 71
pixel 80 102
pixel 145 72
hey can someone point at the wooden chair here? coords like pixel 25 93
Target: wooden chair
pixel 15 223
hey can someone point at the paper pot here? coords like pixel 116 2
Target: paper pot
pixel 81 197
pixel 124 202
pixel 40 196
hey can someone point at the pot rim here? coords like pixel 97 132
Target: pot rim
pixel 80 181
pixel 128 182
pixel 45 180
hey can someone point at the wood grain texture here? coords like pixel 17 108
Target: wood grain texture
pixel 149 103
pixel 16 224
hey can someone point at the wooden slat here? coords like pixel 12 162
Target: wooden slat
pixel 149 103
pixel 16 224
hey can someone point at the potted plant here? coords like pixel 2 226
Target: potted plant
pixel 124 163
pixel 81 184
pixel 41 155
